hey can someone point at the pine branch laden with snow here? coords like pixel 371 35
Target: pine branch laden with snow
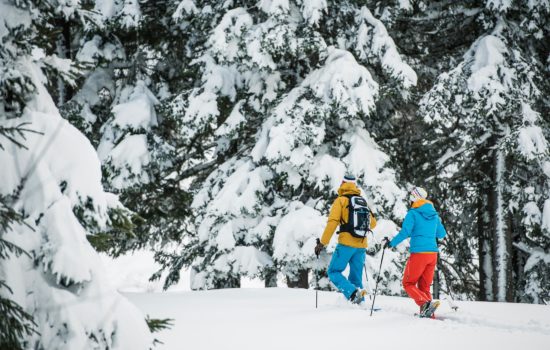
pixel 349 26
pixel 55 182
pixel 123 107
pixel 372 42
pixel 486 107
pixel 114 106
pixel 124 149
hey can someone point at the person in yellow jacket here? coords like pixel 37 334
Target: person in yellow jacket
pixel 351 246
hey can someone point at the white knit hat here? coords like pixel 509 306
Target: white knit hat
pixel 417 193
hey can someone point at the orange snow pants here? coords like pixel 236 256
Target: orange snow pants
pixel 418 276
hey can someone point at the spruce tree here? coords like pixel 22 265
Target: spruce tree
pixel 487 110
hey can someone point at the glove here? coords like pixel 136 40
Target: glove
pixel 386 241
pixel 319 247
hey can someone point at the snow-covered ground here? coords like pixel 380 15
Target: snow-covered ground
pixel 282 318
pixel 131 272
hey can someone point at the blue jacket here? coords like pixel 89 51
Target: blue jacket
pixel 423 226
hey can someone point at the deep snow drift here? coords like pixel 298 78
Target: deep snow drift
pixel 280 318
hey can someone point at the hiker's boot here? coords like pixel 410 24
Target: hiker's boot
pixel 358 296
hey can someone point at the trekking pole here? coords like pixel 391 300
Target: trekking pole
pixel 378 279
pixel 367 277
pixel 317 281
pixel 316 286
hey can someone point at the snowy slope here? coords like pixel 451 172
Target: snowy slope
pixel 280 318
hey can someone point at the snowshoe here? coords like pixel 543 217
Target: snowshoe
pixel 427 309
pixel 358 296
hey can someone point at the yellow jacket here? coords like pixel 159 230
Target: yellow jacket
pixel 339 212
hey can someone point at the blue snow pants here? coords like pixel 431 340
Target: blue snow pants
pixel 342 256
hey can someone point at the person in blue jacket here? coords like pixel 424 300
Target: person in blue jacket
pixel 423 226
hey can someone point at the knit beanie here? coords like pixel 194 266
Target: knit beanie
pixel 349 178
pixel 417 193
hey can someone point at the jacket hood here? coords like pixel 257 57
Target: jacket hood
pixel 348 188
pixel 425 208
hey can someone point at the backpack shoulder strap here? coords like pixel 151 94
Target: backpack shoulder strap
pixel 348 196
pixel 347 226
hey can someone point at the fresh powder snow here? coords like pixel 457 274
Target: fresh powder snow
pixel 281 318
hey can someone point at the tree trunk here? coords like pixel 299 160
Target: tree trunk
pixel 270 279
pixel 484 231
pixel 502 238
pixel 63 50
pixel 518 258
pixel 299 281
pixel 229 282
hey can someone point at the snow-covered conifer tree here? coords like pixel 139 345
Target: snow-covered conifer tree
pixel 488 111
pixel 51 179
pixel 287 101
